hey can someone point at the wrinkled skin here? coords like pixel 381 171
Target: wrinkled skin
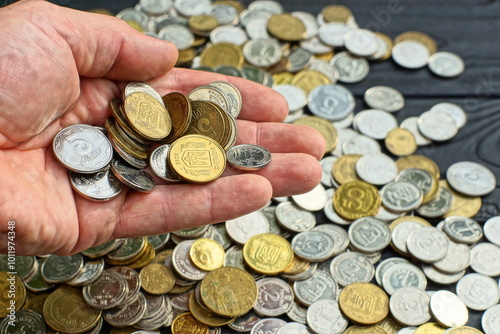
pixel 61 67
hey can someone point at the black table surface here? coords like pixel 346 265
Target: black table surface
pixel 470 28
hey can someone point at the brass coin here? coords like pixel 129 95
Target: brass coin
pixel 283 78
pixel 161 256
pixel 286 27
pixel 12 290
pixel 145 258
pixel 157 279
pixel 113 133
pixel 324 127
pixel 268 253
pixel 465 206
pixel 179 108
pixel 415 219
pixel 102 11
pixel 208 120
pixel 390 325
pixel 219 54
pixel 356 199
pixel 65 310
pixel 420 37
pixel 344 168
pixel 309 79
pixel 355 329
pixel 327 56
pixel 147 116
pixel 131 250
pixel 117 112
pixel 185 57
pixel 204 316
pixel 464 330
pixel 418 161
pixel 336 13
pixel 36 303
pixel 364 303
pixel 297 266
pixel 228 291
pixel 186 324
pixel 197 158
pixel 202 24
pixel 430 328
pixel 400 142
pixel 207 254
pixel 389 43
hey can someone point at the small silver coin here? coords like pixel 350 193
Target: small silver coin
pixel 343 124
pixel 448 309
pixel 361 42
pixel 384 98
pixel 191 7
pixel 410 306
pixel 485 259
pixel 180 302
pixel 332 102
pixel 103 249
pixel 82 148
pixel 108 291
pixel 369 235
pixel 234 257
pixel 401 196
pixel 437 125
pixel 25 266
pixel 407 330
pixel 228 34
pixel 241 229
pixel 269 5
pixel 411 125
pixel 332 33
pixel 456 260
pixel 294 328
pixel 313 200
pixel 248 15
pixel 427 244
pixel 440 277
pixel 245 323
pixel 419 177
pixel 233 96
pixel 438 206
pixel 462 229
pixel 375 123
pixel 298 313
pixel 212 94
pixel 478 292
pixel 131 14
pixel 158 241
pixel 377 168
pixel 471 178
pixel 338 234
pixel 492 230
pixel 91 271
pixel 127 315
pixel 295 96
pixel 137 179
pixel 156 304
pixel 410 54
pixel 446 64
pixel 248 157
pixel 299 59
pixel 155 7
pixel 177 34
pixel 129 249
pixel 454 111
pixel 223 13
pixel 327 166
pixel 182 263
pixel 332 215
pixel 268 325
pixel 313 246
pixel 360 144
pixel 351 267
pixel 133 87
pixel 324 317
pixel 386 264
pixel 61 269
pixel 310 23
pixel 273 307
pixel 101 186
pixel 403 275
pixel 262 52
pixel 293 218
pixel 256 28
pixel 490 320
pixel 351 69
pixel 399 235
pixel 324 67
pixel 320 286
pixel 133 281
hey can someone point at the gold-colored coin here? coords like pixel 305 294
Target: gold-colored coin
pixel 327 56
pixel 464 330
pixel 403 219
pixel 219 54
pixel 344 168
pixel 36 303
pixel 282 78
pixel 462 205
pixel 390 325
pixel 117 112
pixel 268 253
pixel 199 41
pixel 364 303
pixel 228 291
pixel 102 11
pixel 197 158
pixel 286 27
pixel 204 316
pixel 147 116
pixel 157 279
pixel 208 119
pixel 389 43
pixel 420 37
pixel 297 266
pixel 324 127
pixel 119 140
pixel 145 259
pixel 136 25
pixel 11 289
pixel 180 111
pixel 207 254
pixel 430 328
pixel 178 289
pixel 202 24
pixel 356 199
pixel 66 311
pixel 185 57
pixel 355 329
pixel 400 142
pixel 336 13
pixel 309 79
pixel 418 161
pixel 162 256
pixel 186 324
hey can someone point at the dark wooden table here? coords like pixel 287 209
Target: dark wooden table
pixel 470 28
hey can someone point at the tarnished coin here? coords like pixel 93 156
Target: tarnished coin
pixel 133 87
pixel 351 267
pixel 101 186
pixel 307 293
pixel 294 218
pixel 384 98
pixel 369 234
pixel 156 279
pixel 268 253
pixel 313 246
pixel 268 325
pixel 402 275
pixel 180 111
pixel 137 179
pixel 492 230
pixel 324 317
pixel 485 259
pixel 241 229
pixel 401 196
pixel 248 157
pixel 446 64
pixel 27 321
pixel 428 244
pixel 82 148
pixel 437 125
pixel 272 307
pixel 377 169
pixel 410 306
pixel 108 291
pixel 478 292
pixel 204 316
pixel 61 269
pixel 471 178
pixel 448 309
pixel 364 303
pixel 490 320
pixel 185 323
pixel 331 102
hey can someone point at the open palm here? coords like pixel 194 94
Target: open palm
pixel 61 67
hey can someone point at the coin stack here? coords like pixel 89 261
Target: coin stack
pixel 363 252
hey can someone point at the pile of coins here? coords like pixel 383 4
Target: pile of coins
pixel 311 263
pixel 197 133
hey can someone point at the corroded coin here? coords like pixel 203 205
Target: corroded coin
pixel 268 253
pixel 180 111
pixel 101 186
pixel 364 303
pixel 137 179
pixel 248 157
pixel 356 199
pixel 11 300
pixel 207 254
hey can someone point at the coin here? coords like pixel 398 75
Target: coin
pixel 376 169
pixel 448 309
pixel 430 328
pixel 293 218
pixel 222 54
pixel 457 258
pixel 344 168
pixel 243 228
pixel 400 142
pixel 8 283
pixel 478 292
pixel 351 69
pixel 61 269
pixel 410 124
pixel 492 230
pixel 410 306
pixel 179 109
pixel 248 157
pixel 465 206
pixel 420 37
pixel 428 244
pixel 384 98
pixel 129 314
pixel 207 254
pixel 306 290
pixel 100 186
pixel 490 320
pixel 324 317
pixel 356 199
pixel 400 196
pixel 410 54
pixel 351 267
pixel 446 64
pixel 471 178
pixel 25 321
pixel 324 127
pixel 321 97
pixel 204 316
pixel 336 13
pixel 361 42
pixel 137 179
pixel 462 229
pixel 273 307
pixel 485 259
pixel 437 125
pixel 186 324
pixel 182 264
pixel 133 87
pixel 369 234
pixel 268 325
pixel 286 27
pixel 364 303
pixel 156 279
pixel 108 291
pixel 402 275
pixel 313 246
pixel 267 253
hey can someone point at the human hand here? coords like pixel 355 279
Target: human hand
pixel 61 67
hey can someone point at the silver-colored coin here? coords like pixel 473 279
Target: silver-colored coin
pixel 437 125
pixel 262 52
pixel 103 249
pixel 344 123
pixel 401 196
pixel 407 330
pixel 127 315
pixel 315 46
pixel 180 302
pixel 131 14
pixel 478 292
pixel 454 111
pixel 61 269
pixel 332 102
pixel 342 135
pixel 191 7
pixel 324 67
pixel 384 98
pixel 232 94
pixel 292 117
pixel 178 34
pixel 298 59
pixel 162 21
pixel 485 259
pixel 313 246
pixel 226 70
pixel 133 281
pixel 294 218
pixel 462 229
pixel 268 325
pixel 273 307
pixel 101 186
pixel 132 161
pixel 295 97
pixel 148 325
pixel 82 148
pixel 245 323
pixel 333 33
pixel 448 309
pixel 129 249
pixel 419 177
pixel 256 28
pixel 133 87
pixel 403 275
pixel 108 291
pixel 377 169
pixel 410 306
pixel 157 304
pixel 228 34
pixel 234 258
pixel 333 216
pixel 298 313
pixel 351 267
pixel 386 216
pixel 159 165
pixel 137 179
pixel 375 123
pixel 91 271
pixel 220 235
pixel 309 21
pixel 427 244
pixel 338 234
pixel 248 157
pixel 26 321
pixel 155 7
pixel 309 272
pixel 320 286
pixel 294 328
pixel 490 320
pixel 212 94
pixel 492 230
pixel 249 15
pixel 327 166
pixel 351 69
pixel 382 49
pixel 456 260
pixel 440 277
pixel 361 42
pixel 360 144
pixel 191 233
pixel 270 213
pixel 446 64
pixel 410 54
pixel 243 228
pixel 411 125
pixel 182 263
pixel 438 206
pixel 223 13
pixel 313 200
pixel 324 317
pixel 272 6
pixel 369 235
pixel 471 178
pixel 386 264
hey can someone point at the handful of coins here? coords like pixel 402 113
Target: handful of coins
pixel 197 133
